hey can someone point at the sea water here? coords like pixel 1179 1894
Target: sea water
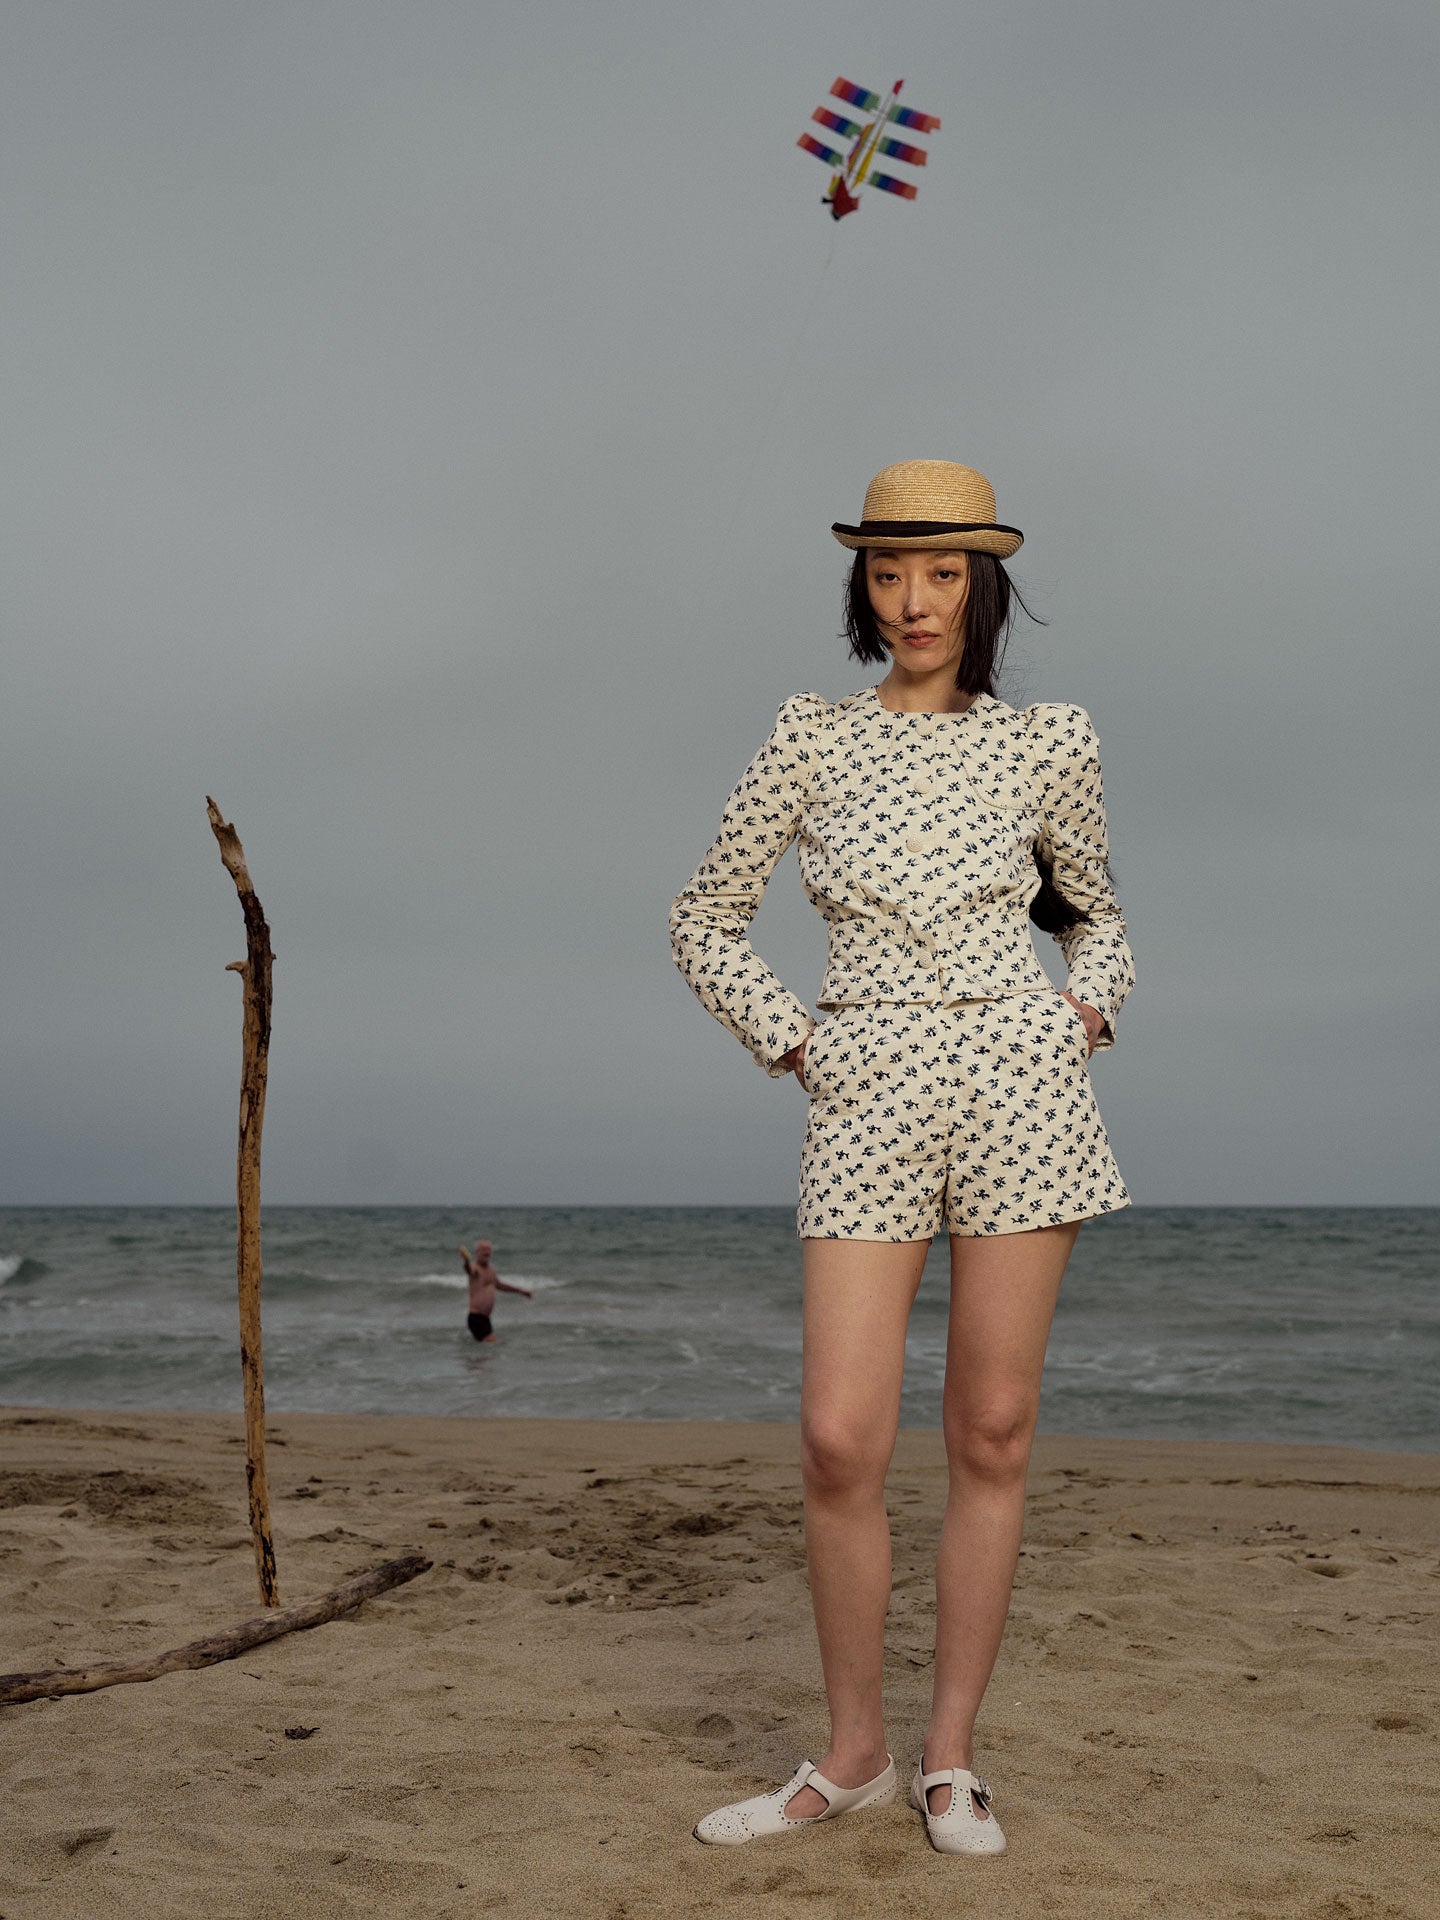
pixel 1303 1324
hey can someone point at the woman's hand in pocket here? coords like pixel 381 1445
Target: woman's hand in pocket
pixel 795 1061
pixel 1093 1018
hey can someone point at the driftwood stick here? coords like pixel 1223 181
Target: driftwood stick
pixel 52 1681
pixel 255 977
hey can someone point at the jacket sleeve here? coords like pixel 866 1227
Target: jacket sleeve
pixel 713 912
pixel 1073 837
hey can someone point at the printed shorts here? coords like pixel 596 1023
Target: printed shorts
pixel 978 1117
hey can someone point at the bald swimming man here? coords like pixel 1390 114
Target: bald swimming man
pixel 485 1283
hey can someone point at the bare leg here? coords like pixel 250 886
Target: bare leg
pixel 858 1295
pixel 1002 1300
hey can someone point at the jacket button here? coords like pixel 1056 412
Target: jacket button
pixel 913 843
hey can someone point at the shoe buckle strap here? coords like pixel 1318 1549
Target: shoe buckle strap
pixel 811 1776
pixel 947 1776
pixel 807 1774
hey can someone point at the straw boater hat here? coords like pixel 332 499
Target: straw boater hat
pixel 930 503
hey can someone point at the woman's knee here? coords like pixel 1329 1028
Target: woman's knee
pixel 840 1456
pixel 992 1442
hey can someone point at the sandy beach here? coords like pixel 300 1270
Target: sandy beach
pixel 1217 1693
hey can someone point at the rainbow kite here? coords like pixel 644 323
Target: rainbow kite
pixel 854 171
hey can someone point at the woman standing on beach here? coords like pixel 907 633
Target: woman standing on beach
pixel 948 1087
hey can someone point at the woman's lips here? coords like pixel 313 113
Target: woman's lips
pixel 921 639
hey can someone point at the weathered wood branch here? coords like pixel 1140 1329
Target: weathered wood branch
pixel 255 973
pixel 52 1681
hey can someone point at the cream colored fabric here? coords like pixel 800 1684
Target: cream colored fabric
pixel 979 1118
pixel 916 841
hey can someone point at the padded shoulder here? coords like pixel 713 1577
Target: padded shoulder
pixel 1054 717
pixel 803 706
pixel 1063 752
pixel 801 714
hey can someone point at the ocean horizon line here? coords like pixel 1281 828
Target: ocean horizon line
pixel 674 1206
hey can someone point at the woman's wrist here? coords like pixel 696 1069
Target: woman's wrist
pixel 1091 1017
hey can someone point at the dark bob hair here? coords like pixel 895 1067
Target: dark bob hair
pixel 989 616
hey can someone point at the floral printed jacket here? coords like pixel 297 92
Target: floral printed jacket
pixel 917 835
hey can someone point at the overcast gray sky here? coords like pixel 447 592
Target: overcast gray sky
pixel 422 427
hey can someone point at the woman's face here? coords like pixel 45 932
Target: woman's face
pixel 919 598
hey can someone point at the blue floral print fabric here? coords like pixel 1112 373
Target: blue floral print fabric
pixel 917 835
pixel 978 1118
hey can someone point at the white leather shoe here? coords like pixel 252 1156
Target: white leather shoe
pixel 959 1829
pixel 746 1820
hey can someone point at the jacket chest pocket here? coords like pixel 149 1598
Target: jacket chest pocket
pixel 836 808
pixel 1004 790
